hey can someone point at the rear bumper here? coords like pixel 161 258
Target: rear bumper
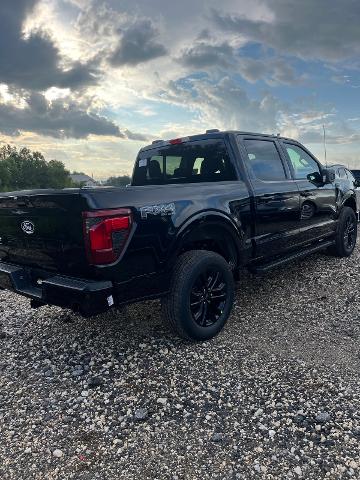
pixel 87 297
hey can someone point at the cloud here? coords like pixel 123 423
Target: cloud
pixel 316 136
pixel 341 79
pixel 274 71
pixel 98 20
pixel 191 68
pixel 140 137
pixel 62 118
pixel 307 126
pixel 204 54
pixel 225 104
pixel 308 29
pixel 34 61
pixel 138 43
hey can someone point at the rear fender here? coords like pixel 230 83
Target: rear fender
pixel 349 200
pixel 214 231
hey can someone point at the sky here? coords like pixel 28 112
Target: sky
pixel 89 82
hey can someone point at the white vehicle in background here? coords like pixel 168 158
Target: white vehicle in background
pixel 347 179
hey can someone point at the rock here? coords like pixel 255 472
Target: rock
pixel 67 319
pixel 217 437
pixel 299 418
pixel 272 433
pixel 323 417
pixel 58 453
pixel 298 471
pixel 27 450
pixel 141 414
pixel 258 412
pixel 162 401
pixel 94 382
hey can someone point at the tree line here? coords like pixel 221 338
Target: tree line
pixel 22 169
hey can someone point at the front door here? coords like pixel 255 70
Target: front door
pixel 317 201
pixel 276 197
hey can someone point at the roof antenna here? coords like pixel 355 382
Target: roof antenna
pixel 325 145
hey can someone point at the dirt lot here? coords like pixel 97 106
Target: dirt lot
pixel 276 395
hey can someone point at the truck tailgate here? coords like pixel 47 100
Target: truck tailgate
pixel 43 229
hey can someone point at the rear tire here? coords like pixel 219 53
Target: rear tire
pixel 201 295
pixel 346 233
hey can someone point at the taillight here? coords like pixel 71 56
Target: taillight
pixel 106 232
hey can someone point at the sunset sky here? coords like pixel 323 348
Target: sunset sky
pixel 91 82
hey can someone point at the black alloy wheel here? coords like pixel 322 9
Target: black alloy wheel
pixel 350 233
pixel 346 233
pixel 208 297
pixel 201 295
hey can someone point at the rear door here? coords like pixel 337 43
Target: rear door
pixel 276 196
pixel 317 201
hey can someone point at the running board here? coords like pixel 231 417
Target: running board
pixel 264 267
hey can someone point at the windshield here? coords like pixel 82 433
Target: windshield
pixel 192 162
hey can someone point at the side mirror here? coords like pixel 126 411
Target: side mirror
pixel 315 178
pixel 357 183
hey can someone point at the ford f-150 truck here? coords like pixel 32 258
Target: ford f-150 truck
pixel 199 209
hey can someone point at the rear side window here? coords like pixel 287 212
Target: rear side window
pixel 190 162
pixel 264 161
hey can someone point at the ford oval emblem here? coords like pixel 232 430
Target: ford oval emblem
pixel 27 227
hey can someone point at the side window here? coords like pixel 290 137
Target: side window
pixel 264 161
pixel 197 166
pixel 155 168
pixel 172 164
pixel 301 162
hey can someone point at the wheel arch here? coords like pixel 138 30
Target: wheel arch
pixel 215 232
pixel 350 201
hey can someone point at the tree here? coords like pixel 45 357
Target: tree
pixel 23 169
pixel 121 181
pixel 58 177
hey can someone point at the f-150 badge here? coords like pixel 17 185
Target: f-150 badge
pixel 163 209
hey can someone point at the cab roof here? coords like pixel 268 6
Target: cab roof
pixel 212 133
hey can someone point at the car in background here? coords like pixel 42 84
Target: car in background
pixel 356 174
pixel 346 180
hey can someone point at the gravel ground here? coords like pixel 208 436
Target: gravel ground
pixel 276 395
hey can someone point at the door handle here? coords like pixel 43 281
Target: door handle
pixel 306 193
pixel 267 198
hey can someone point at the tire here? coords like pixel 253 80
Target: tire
pixel 346 234
pixel 201 295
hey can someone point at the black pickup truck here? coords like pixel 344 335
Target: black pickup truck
pixel 198 210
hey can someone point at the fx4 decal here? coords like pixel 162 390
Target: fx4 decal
pixel 163 209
